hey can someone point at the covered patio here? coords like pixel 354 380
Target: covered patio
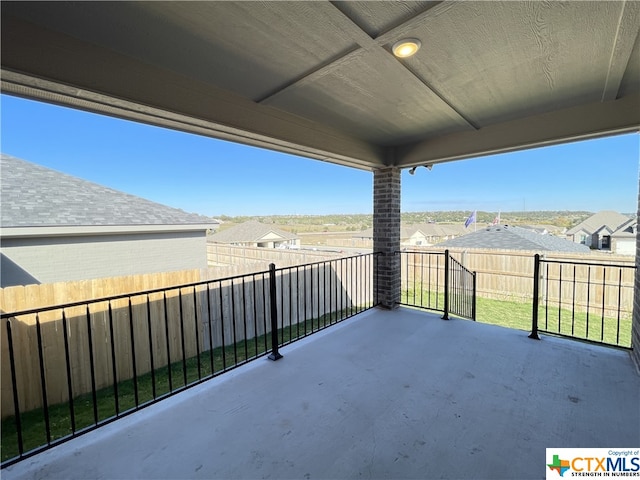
pixel 327 80
pixel 390 393
pixel 385 394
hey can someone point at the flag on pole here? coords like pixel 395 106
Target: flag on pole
pixel 496 220
pixel 470 220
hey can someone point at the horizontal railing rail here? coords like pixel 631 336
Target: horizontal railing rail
pixel 588 301
pixel 437 281
pixel 69 369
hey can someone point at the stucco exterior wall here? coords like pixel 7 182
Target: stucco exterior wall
pixel 68 258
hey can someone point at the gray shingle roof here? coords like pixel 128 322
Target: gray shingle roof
pixel 513 238
pixel 249 232
pixel 34 196
pixel 627 229
pixel 605 218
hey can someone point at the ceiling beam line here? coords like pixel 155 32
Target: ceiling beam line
pixel 363 43
pixel 626 36
pixel 444 99
pixel 406 27
pixel 314 74
pixel 366 43
pixel 415 21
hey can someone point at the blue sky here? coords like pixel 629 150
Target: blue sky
pixel 214 177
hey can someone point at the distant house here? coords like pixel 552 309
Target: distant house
pixel 256 234
pixel 508 237
pixel 595 232
pixel 427 234
pixel 56 227
pixel 424 234
pixel 623 240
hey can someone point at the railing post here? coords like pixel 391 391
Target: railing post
pixel 376 283
pixel 446 285
pixel 473 298
pixel 14 388
pixel 536 292
pixel 275 355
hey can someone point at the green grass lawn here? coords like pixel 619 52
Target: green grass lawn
pixel 148 387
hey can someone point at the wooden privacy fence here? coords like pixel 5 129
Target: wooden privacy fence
pixel 364 243
pixel 221 255
pixel 62 352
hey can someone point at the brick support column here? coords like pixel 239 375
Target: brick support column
pixel 386 235
pixel 635 324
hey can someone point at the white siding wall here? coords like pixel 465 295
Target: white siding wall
pixel 57 259
pixel 418 239
pixel 577 238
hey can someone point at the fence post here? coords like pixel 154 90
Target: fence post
pixel 536 292
pixel 275 355
pixel 446 285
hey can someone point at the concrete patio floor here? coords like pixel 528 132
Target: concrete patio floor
pixel 386 394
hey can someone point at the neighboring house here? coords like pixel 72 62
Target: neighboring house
pixel 256 234
pixel 623 240
pixel 424 234
pixel 514 238
pixel 595 232
pixel 427 234
pixel 56 227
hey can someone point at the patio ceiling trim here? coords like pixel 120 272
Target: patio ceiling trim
pixel 58 94
pixel 622 49
pixel 438 121
pixel 127 93
pixel 561 126
pixel 577 123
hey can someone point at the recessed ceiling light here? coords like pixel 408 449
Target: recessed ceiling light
pixel 405 48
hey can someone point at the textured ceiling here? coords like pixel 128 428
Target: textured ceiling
pixel 318 78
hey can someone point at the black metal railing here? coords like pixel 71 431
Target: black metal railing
pixel 437 281
pixel 422 280
pixel 68 369
pixel 583 300
pixel 460 296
